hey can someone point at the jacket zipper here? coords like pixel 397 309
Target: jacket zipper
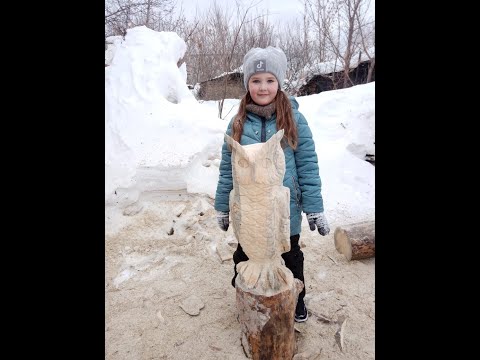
pixel 297 200
pixel 263 136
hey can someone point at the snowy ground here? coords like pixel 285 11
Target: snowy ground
pixel 156 283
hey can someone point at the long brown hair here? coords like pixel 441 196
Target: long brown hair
pixel 284 118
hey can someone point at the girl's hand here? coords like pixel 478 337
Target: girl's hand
pixel 222 220
pixel 318 220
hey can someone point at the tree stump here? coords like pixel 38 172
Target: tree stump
pixel 267 322
pixel 356 241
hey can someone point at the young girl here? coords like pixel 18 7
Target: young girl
pixel 263 111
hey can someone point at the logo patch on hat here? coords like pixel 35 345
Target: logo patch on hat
pixel 260 65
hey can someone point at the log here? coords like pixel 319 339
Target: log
pixel 267 322
pixel 356 241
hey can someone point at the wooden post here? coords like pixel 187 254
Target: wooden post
pixel 356 241
pixel 267 322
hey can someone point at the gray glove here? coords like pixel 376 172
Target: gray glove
pixel 222 220
pixel 318 220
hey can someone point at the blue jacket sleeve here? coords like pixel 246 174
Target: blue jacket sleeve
pixel 307 168
pixel 225 180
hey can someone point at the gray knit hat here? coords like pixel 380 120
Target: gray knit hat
pixel 270 59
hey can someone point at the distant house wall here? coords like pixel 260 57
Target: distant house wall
pixel 332 81
pixel 214 89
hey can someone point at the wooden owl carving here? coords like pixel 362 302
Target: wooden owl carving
pixel 260 214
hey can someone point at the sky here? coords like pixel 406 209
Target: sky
pixel 282 10
pixel 160 140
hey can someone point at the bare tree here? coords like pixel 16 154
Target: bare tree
pixel 367 36
pixel 121 15
pixel 318 18
pixel 295 42
pixel 228 59
pixel 339 24
pixel 221 39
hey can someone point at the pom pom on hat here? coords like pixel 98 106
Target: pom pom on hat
pixel 270 59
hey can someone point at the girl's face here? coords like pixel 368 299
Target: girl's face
pixel 263 88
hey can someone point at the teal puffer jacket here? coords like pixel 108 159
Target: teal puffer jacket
pixel 301 175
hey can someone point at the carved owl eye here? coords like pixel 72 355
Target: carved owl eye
pixel 243 163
